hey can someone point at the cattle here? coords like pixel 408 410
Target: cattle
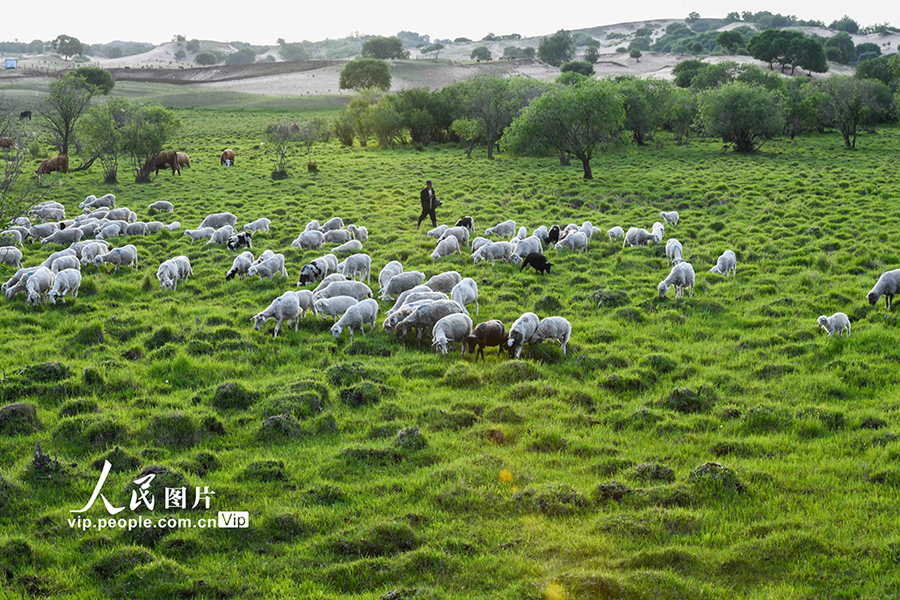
pixel 227 157
pixel 57 163
pixel 184 161
pixel 7 142
pixel 163 160
pixel 25 114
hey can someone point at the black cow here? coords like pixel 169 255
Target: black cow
pixel 25 114
pixel 538 261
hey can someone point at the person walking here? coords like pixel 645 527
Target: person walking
pixel 429 203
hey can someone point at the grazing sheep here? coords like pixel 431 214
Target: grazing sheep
pixel 659 232
pixel 615 233
pixel 588 230
pixel 553 328
pixel 309 240
pixel 525 247
pixel 328 280
pixel 444 282
pixel 123 213
pixel 541 233
pixel 221 235
pixel 452 328
pixel 18 282
pixel 681 276
pixel 240 240
pixel 65 262
pixel 356 317
pixel 92 251
pixel 126 255
pixel 493 252
pixel 639 237
pixel 520 333
pixel 312 226
pixel 160 206
pixel 362 234
pixel 38 284
pixel 317 269
pixel 467 222
pixel 307 302
pixel 887 285
pixel 490 333
pixel 12 256
pixel 416 294
pixel 218 220
pixel 523 233
pixel 261 224
pixel 479 242
pixel 356 263
pixel 284 308
pixel 836 323
pixel 393 318
pixel 725 264
pixel 21 222
pixel 538 261
pixel 241 264
pixel 268 268
pixel 351 246
pixel 67 252
pixel 438 231
pixel 154 226
pixel 424 317
pixel 446 247
pixel 136 228
pixel 266 255
pixel 389 270
pixel 199 234
pixel 553 235
pixel 78 247
pixel 43 230
pixel 574 241
pixel 108 231
pixel 356 289
pixel 400 283
pixel 11 237
pixel 167 274
pixel 674 251
pixel 332 224
pixel 337 236
pixel 506 228
pixel 174 226
pixel 333 307
pixel 107 200
pixel 67 280
pixel 401 298
pixel 182 269
pixel 669 217
pixel 568 230
pixel 460 233
pixel 466 292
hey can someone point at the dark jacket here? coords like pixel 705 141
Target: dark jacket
pixel 427 198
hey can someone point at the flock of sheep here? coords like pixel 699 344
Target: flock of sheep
pixel 437 306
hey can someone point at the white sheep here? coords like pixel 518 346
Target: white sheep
pixel 573 241
pixel 438 231
pixel 173 226
pixel 523 233
pixel 444 282
pixel 506 228
pixel 337 236
pixel 43 230
pixel 401 298
pixel 65 262
pixel 400 283
pixel 395 267
pixel 167 274
pixel 269 268
pixel 356 263
pixel 356 289
pixel 356 317
pixel 639 237
pixel 415 295
pixel 18 282
pixel 126 255
pixel 681 276
pixel 92 251
pixel 307 302
pixel 332 224
pixel 261 224
pixel 479 242
pixel 108 231
pixel 333 307
pixel 217 220
pixel 669 217
pixel 460 233
pixel 328 280
pixel 588 230
pixel 423 318
pixel 312 226
pixel 615 233
pixel 674 251
pixel 21 222
pixel 727 263
pixel 198 234
pixel 836 323
pixel 887 285
pixel 160 206
pixel 137 228
pixel 452 328
pixel 154 226
pixel 362 234
pixel 64 236
pixel 446 247
pixel 121 213
pixel 67 252
pixel 351 246
pixel 659 231
pixel 67 280
pixel 521 333
pixel 266 255
pixel 526 247
pixel 395 317
pixel 12 256
pixel 284 308
pixel 221 235
pixel 553 328
pixel 92 202
pixel 38 284
pixel 184 267
pixel 493 252
pixel 466 292
pixel 11 237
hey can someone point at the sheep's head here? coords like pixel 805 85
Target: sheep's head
pixel 872 297
pixel 336 330
pixel 53 296
pixel 259 320
pixel 822 321
pixel 662 288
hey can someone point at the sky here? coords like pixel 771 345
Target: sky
pixel 264 21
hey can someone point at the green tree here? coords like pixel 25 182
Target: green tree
pixel 682 113
pixel 685 71
pixel 592 52
pixel 646 103
pixel 578 66
pixel 809 54
pixel 840 48
pixel 386 123
pixel 730 40
pixel 146 132
pixel 577 119
pixel 512 52
pixel 434 49
pixel 193 45
pixel 883 68
pixel 764 46
pixel 557 49
pixel 480 53
pixel 317 129
pixel 244 56
pixel 635 53
pixel 282 135
pixel 528 51
pixel 359 108
pixel 180 55
pixel 35 47
pixel 102 126
pixel 848 103
pixel 845 24
pixel 468 130
pixel 743 115
pixel 384 48
pixel 69 98
pixel 292 51
pixel 67 46
pixel 345 128
pixel 205 58
pixel 713 76
pixel 732 17
pixel 867 48
pixel 802 102
pixel 640 43
pixel 365 73
pixel 97 77
pixel 114 52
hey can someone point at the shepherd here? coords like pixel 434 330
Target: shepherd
pixel 429 204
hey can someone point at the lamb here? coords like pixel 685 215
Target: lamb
pixel 356 263
pixel 65 262
pixel 452 328
pixel 221 235
pixel 266 255
pixel 400 283
pixel 553 235
pixel 174 226
pixel 541 233
pixel 333 307
pixel 836 323
pixel 357 316
pixel 64 236
pixel 681 276
pixel 523 233
pixel 658 231
pixel 126 255
pixel 479 242
pixel 12 256
pixel 351 246
pixel 317 269
pixel 460 233
pixel 639 237
pixel 615 233
pixel 588 230
pixel 284 308
pixel 669 217
pixel 67 280
pixel 521 333
pixel 160 206
pixel 309 240
pixel 217 220
pixel 506 228
pixel 55 255
pixel 92 251
pixel 446 247
pixel 438 231
pixel 362 234
pixel 167 274
pixel 39 283
pixel 268 268
pixel 725 264
pixel 466 292
pixel 467 222
pixel 574 241
pixel 108 231
pixel 312 226
pixel 490 333
pixel 240 240
pixel 553 328
pixel 674 251
pixel 337 236
pixel 493 252
pixel 137 228
pixel 199 234
pixel 241 264
pixel 444 282
pixel 356 289
pixel 887 285
pixel 332 224
pixel 389 270
pixel 538 261
pixel 424 317
pixel 261 224
pixel 525 247
pixel 154 226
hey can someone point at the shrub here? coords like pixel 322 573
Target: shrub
pixel 205 58
pixel 581 67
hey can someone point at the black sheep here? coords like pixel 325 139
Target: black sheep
pixel 553 236
pixel 240 240
pixel 538 261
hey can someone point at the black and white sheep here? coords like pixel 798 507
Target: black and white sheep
pixel 521 333
pixel 467 222
pixel 240 240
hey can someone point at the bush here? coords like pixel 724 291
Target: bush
pixel 97 77
pixel 581 67
pixel 206 58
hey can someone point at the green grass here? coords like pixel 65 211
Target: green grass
pixel 579 475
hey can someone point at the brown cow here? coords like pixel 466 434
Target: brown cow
pixel 227 157
pixel 57 163
pixel 7 143
pixel 164 160
pixel 184 161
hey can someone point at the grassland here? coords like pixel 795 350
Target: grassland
pixel 577 476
